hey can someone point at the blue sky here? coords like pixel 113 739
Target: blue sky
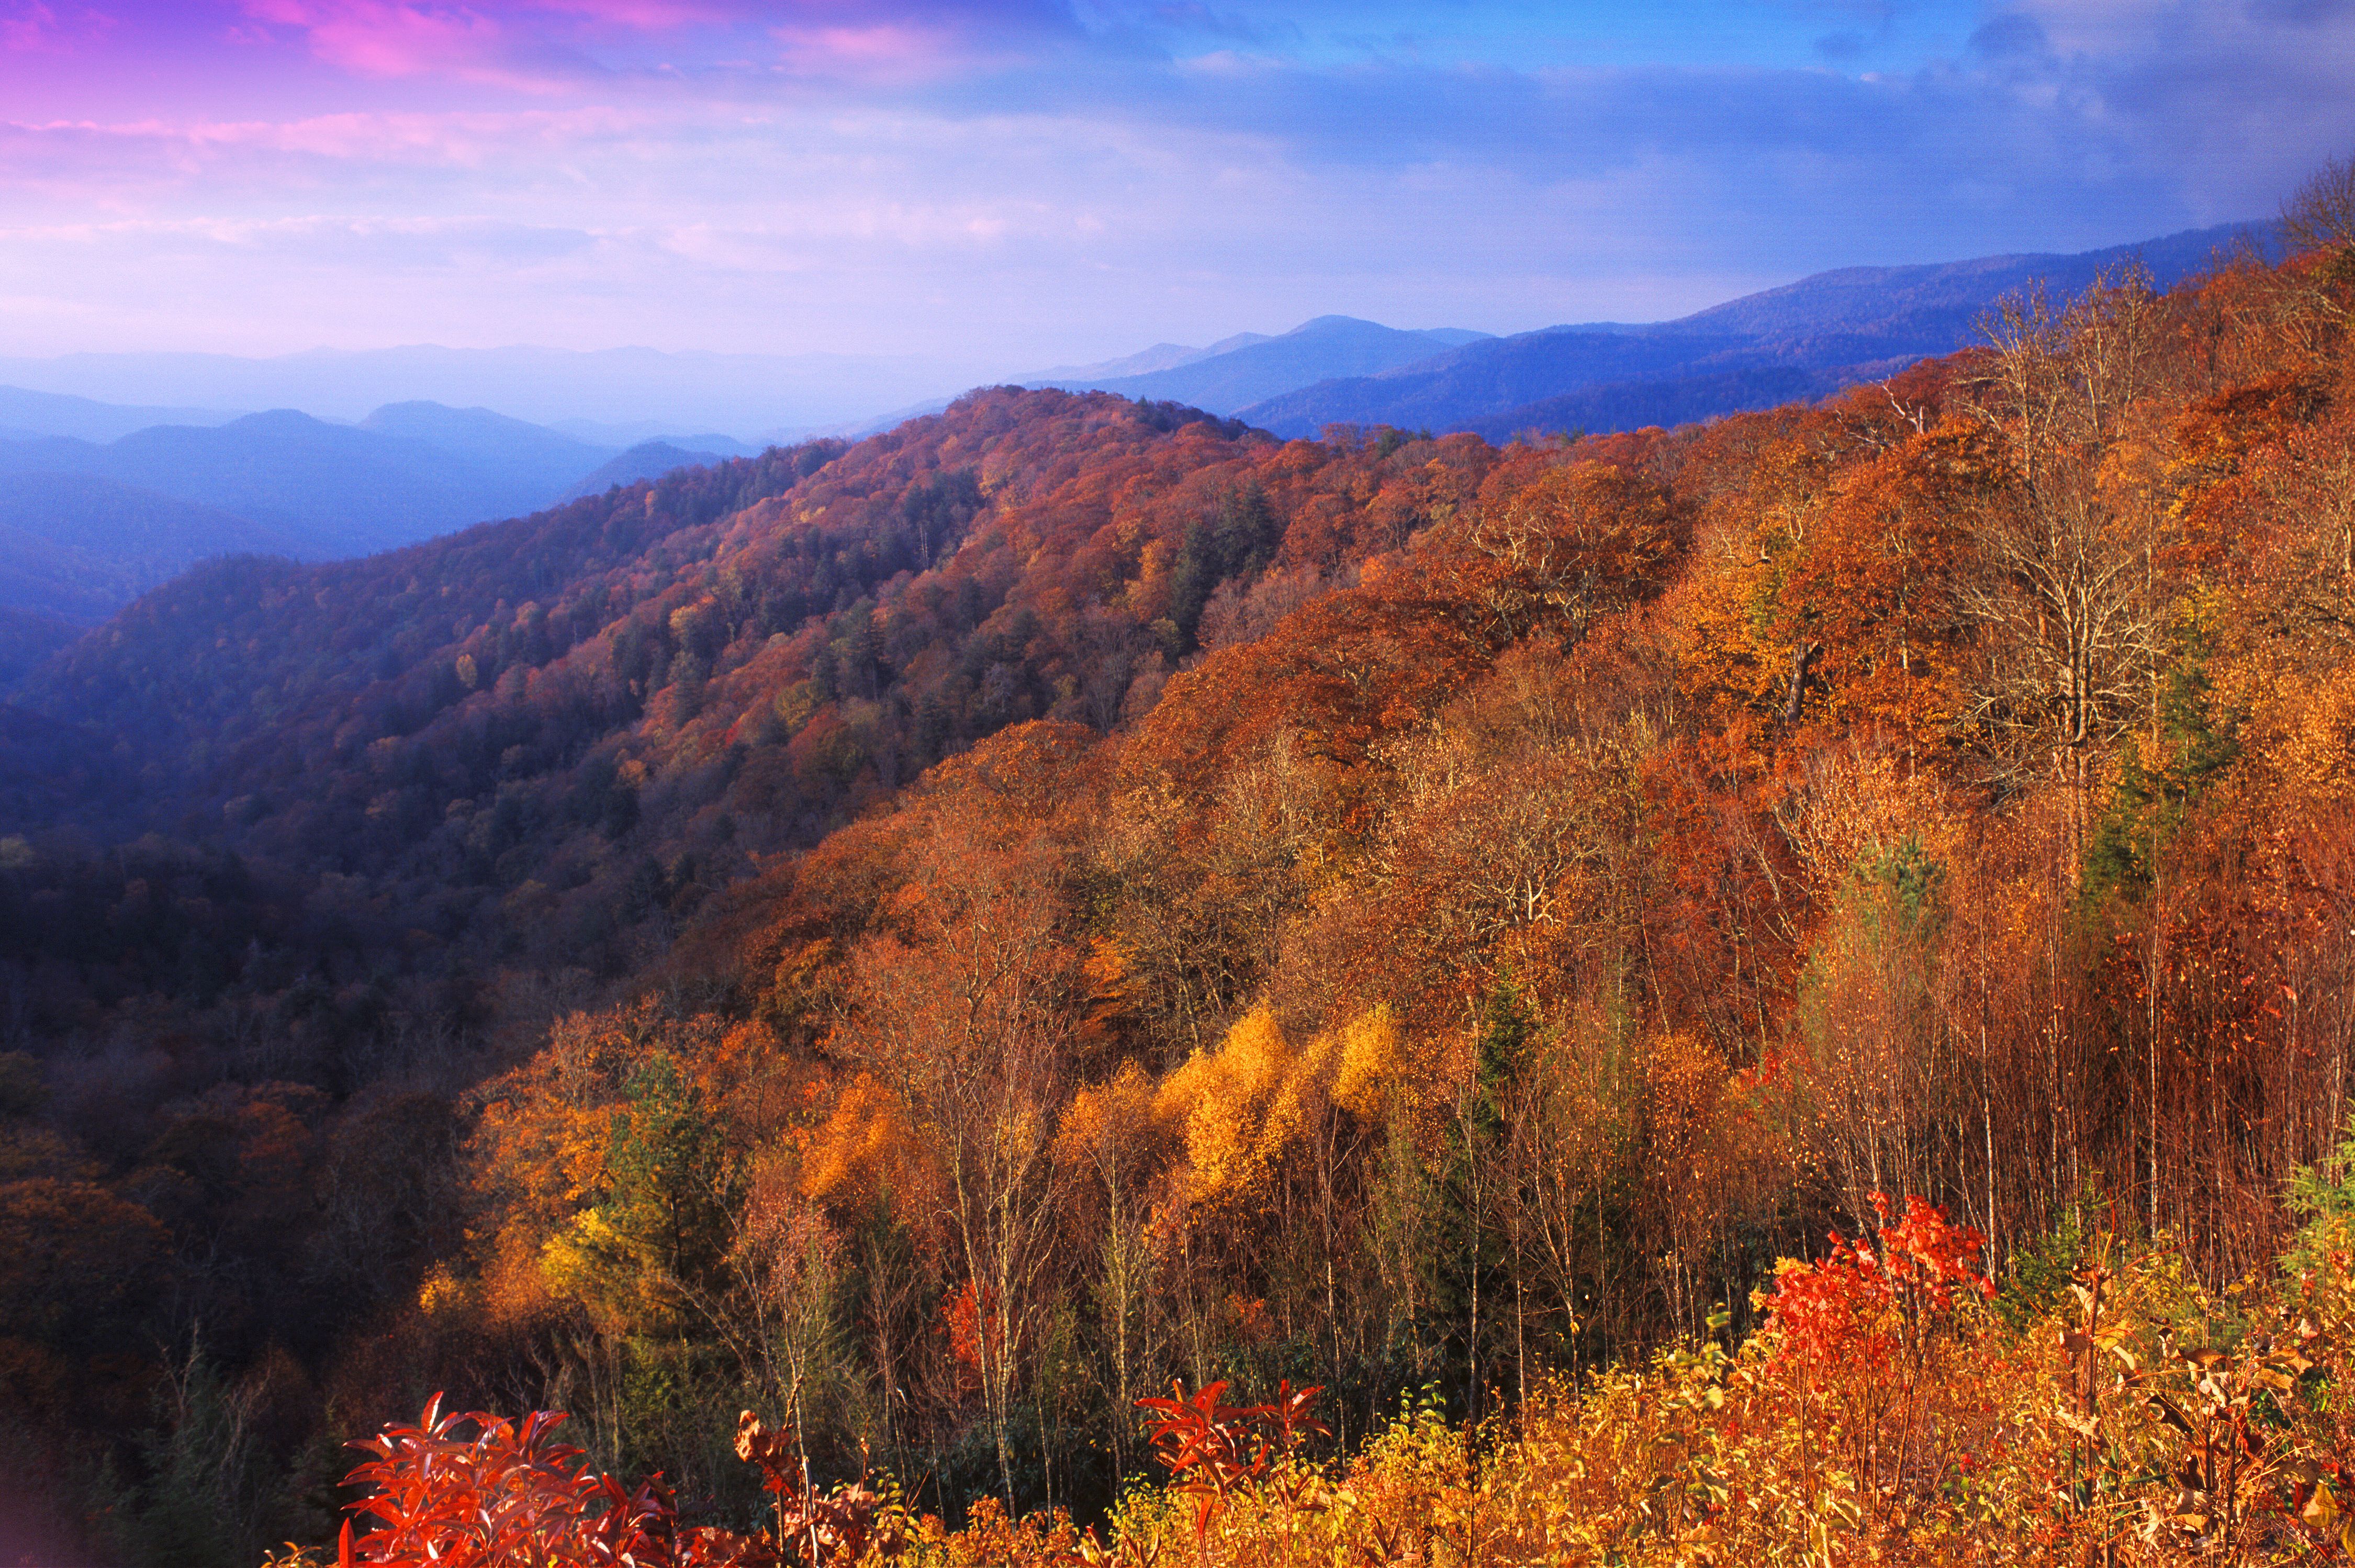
pixel 1004 184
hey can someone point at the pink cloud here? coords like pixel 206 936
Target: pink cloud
pixel 122 155
pixel 904 45
pixel 876 45
pixel 646 16
pixel 401 36
pixel 480 37
pixel 480 40
pixel 387 38
pixel 28 26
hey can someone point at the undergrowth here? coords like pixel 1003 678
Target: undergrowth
pixel 1894 1408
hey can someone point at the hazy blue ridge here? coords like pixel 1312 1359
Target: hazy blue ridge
pixel 620 437
pixel 681 391
pixel 314 489
pixel 524 452
pixel 1821 331
pixel 330 489
pixel 79 546
pixel 647 460
pixel 88 526
pixel 1682 399
pixel 1443 392
pixel 1324 349
pixel 28 416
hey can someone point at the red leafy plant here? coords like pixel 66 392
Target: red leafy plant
pixel 475 1490
pixel 1860 1343
pixel 1213 1450
pixel 508 1492
pixel 1863 1305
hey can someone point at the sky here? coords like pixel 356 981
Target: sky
pixel 994 185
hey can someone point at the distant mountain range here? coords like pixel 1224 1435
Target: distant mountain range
pixel 1801 341
pixel 1228 375
pixel 87 522
pixel 1242 370
pixel 28 415
pixel 326 489
pixel 1160 356
pixel 757 397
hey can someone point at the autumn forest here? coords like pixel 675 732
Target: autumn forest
pixel 1758 992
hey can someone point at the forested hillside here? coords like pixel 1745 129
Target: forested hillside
pixel 932 939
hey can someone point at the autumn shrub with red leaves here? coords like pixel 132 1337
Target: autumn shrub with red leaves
pixel 1858 1339
pixel 1213 1450
pixel 507 1493
pixel 1862 1304
pixel 1882 1417
pixel 971 1317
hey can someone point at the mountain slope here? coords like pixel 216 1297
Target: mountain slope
pixel 1824 331
pixel 27 638
pixel 244 650
pixel 729 660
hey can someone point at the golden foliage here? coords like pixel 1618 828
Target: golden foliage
pixel 1372 1063
pixel 1234 1109
pixel 863 1149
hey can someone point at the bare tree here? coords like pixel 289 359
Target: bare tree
pixel 782 1318
pixel 1108 1138
pixel 2320 214
pixel 970 1018
pixel 2065 592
